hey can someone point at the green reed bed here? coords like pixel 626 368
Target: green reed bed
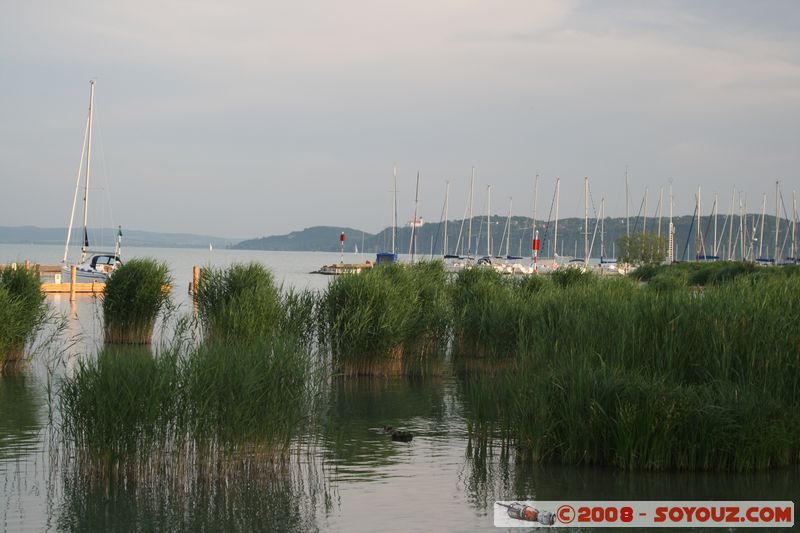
pixel 488 310
pixel 23 312
pixel 248 392
pixel 299 311
pixel 134 297
pixel 240 302
pixel 608 372
pixel 678 275
pixel 598 415
pixel 122 403
pixel 221 396
pixel 385 320
pixel 249 387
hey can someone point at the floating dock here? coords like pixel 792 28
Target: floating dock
pixel 343 268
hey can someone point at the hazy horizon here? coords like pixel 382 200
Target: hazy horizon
pixel 260 118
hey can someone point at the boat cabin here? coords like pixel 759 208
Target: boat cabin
pixel 104 262
pixel 385 258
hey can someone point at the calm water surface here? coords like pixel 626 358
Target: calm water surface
pixel 345 476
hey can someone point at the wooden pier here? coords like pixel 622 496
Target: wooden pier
pixel 72 287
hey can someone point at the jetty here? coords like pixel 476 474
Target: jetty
pixel 52 282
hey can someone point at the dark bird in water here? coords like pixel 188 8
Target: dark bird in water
pixel 398 435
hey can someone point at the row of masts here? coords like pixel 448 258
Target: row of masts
pixel 750 247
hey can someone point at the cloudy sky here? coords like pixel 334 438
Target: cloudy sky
pixel 244 119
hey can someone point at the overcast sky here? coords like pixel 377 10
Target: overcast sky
pixel 244 119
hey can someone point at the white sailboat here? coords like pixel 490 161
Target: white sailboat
pixel 93 265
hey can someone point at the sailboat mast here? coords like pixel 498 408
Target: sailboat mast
pixel 555 246
pixel 730 229
pixel 777 225
pixel 85 245
pixel 508 224
pixel 697 223
pixel 412 245
pixel 602 228
pixel 671 238
pixel 627 201
pixel 794 226
pixel 471 194
pixel 394 208
pixel 586 219
pixel 75 194
pixel 489 220
pixel 644 218
pixel 716 215
pixel 742 225
pixel 535 202
pixel 446 201
pixel 761 235
pixel 658 215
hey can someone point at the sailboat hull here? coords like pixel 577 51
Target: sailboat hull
pixel 84 274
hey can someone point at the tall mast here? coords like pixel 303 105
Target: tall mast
pixel 627 201
pixel 586 219
pixel 761 235
pixel 602 228
pixel 508 235
pixel 742 227
pixel 555 246
pixel 671 238
pixel 730 229
pixel 75 194
pixel 488 220
pixel 716 211
pixel 85 245
pixel 644 217
pixel 794 226
pixel 535 202
pixel 777 225
pixel 394 207
pixel 698 235
pixel 412 245
pixel 469 232
pixel 446 200
pixel 660 208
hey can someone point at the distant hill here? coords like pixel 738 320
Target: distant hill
pixel 35 235
pixel 316 238
pixel 430 237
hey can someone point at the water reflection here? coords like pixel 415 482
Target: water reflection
pixel 359 408
pixel 20 416
pixel 239 494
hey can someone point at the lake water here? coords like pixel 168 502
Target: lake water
pixel 347 477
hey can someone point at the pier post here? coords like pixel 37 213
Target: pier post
pixel 27 264
pixel 73 275
pixel 195 279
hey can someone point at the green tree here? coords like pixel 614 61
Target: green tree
pixel 642 248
